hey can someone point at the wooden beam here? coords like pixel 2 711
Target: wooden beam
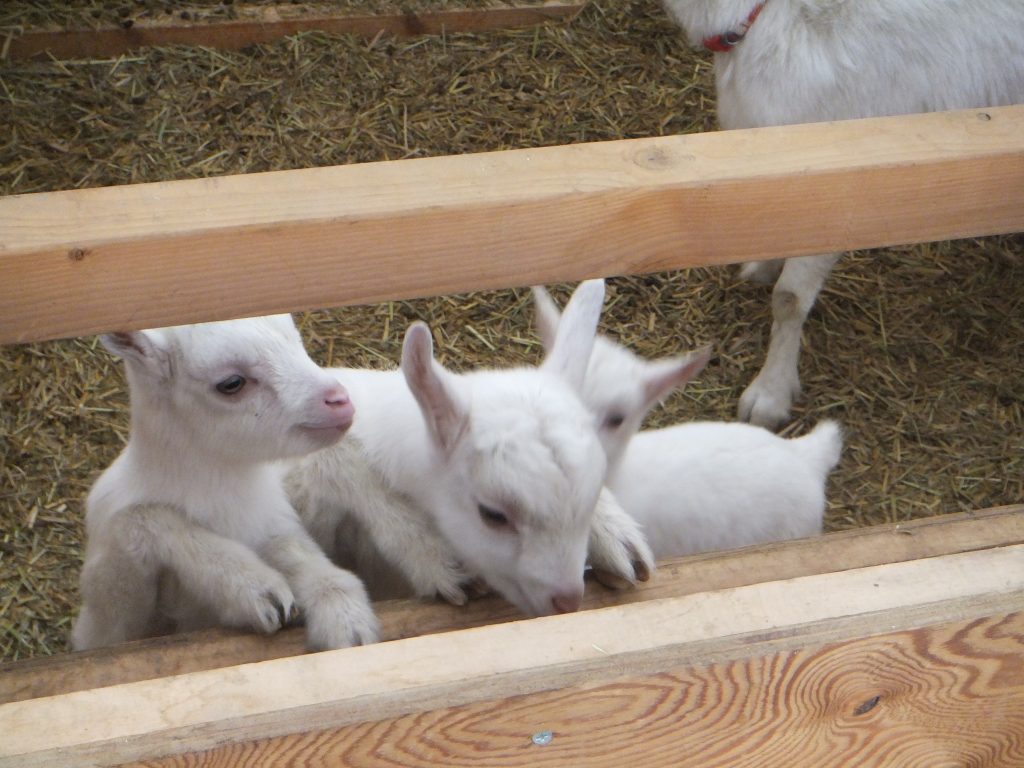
pixel 968 597
pixel 85 261
pixel 264 24
pixel 942 695
pixel 858 548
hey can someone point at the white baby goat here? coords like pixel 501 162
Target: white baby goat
pixel 499 470
pixel 700 486
pixel 190 526
pixel 797 61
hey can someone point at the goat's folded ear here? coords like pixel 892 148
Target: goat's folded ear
pixel 142 348
pixel 664 376
pixel 443 408
pixel 569 355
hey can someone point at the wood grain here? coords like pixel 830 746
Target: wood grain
pixel 293 240
pixel 858 548
pixel 333 690
pixel 933 697
pixel 264 24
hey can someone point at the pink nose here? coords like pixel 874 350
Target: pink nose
pixel 566 602
pixel 336 397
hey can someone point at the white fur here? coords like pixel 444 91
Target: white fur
pixel 440 445
pixel 190 526
pixel 815 60
pixel 620 387
pixel 701 486
pixel 712 485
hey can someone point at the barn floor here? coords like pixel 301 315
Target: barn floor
pixel 918 351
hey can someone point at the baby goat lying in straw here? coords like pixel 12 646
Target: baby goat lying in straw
pixel 499 470
pixel 799 61
pixel 700 486
pixel 191 526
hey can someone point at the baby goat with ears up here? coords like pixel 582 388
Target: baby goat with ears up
pixel 190 526
pixel 699 486
pixel 494 473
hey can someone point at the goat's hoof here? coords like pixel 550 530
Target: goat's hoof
pixel 473 589
pixel 339 614
pixel 453 596
pixel 477 588
pixel 358 627
pixel 760 407
pixel 273 612
pixel 611 580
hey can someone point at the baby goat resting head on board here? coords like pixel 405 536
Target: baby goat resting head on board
pixel 523 472
pixel 496 471
pixel 190 526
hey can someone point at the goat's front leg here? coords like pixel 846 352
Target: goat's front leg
pixel 119 583
pixel 336 607
pixel 768 399
pixel 617 551
pixel 405 537
pixel 119 597
pixel 336 483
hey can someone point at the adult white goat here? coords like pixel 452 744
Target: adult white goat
pixel 190 526
pixel 795 61
pixel 497 470
pixel 699 486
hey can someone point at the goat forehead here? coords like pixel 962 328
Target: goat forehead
pixel 613 377
pixel 270 341
pixel 525 404
pixel 536 451
pixel 535 489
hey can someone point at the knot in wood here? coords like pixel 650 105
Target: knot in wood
pixel 655 158
pixel 867 706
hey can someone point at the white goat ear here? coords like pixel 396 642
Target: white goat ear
pixel 663 376
pixel 546 316
pixel 143 348
pixel 569 354
pixel 445 412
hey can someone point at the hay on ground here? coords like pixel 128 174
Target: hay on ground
pixel 918 351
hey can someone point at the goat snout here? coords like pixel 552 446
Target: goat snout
pixel 337 397
pixel 567 602
pixel 337 413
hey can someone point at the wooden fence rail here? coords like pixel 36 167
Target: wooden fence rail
pixel 796 667
pixel 263 24
pixel 207 249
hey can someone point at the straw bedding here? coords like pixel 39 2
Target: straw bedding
pixel 918 351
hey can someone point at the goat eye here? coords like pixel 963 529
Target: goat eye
pixel 232 385
pixel 492 517
pixel 614 421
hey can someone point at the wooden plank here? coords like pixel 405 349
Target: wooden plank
pixel 264 24
pixel 215 248
pixel 858 548
pixel 947 695
pixel 332 690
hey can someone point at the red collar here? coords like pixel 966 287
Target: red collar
pixel 726 42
